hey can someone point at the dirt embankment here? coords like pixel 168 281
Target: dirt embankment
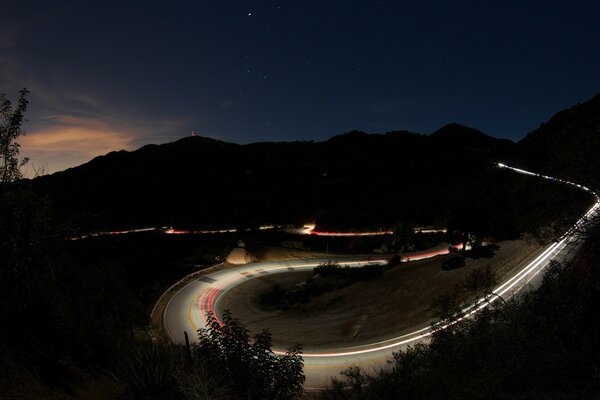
pixel 365 311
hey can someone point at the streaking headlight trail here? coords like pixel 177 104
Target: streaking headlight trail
pixel 187 308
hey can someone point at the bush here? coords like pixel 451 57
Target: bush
pixel 327 277
pixel 349 274
pixel 251 368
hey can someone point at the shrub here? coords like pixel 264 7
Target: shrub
pixel 250 366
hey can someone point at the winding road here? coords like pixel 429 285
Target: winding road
pixel 187 308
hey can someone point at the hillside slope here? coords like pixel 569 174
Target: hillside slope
pixel 568 144
pixel 351 180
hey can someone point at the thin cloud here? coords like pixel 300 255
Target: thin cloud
pixel 72 141
pixel 68 124
pixel 62 141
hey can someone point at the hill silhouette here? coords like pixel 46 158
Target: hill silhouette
pixel 353 180
pixel 472 138
pixel 568 144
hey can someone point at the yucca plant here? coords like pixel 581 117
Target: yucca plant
pixel 149 370
pixel 202 385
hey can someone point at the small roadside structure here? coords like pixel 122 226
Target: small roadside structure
pixel 238 256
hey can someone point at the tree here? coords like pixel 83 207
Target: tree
pixel 252 369
pixel 25 231
pixel 27 273
pixel 10 129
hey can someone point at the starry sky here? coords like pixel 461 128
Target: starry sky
pixel 107 75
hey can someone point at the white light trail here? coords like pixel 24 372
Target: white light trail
pixel 521 278
pixel 561 248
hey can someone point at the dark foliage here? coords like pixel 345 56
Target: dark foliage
pixel 55 314
pixel 11 119
pixel 149 262
pixel 251 369
pixel 225 364
pixel 349 274
pixel 150 370
pixel 327 277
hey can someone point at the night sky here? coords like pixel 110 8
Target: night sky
pixel 117 75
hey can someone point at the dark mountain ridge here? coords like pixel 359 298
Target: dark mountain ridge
pixel 353 180
pixel 568 144
pixel 472 138
pixel 198 181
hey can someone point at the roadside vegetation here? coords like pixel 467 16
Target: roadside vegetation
pixel 326 277
pixel 541 344
pixel 226 363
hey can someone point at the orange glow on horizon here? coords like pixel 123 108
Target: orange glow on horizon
pixel 72 141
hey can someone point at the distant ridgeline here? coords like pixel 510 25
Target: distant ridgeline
pixel 351 181
pixel 568 145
